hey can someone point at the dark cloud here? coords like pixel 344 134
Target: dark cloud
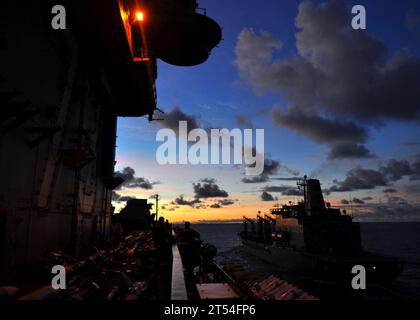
pixel 284 190
pixel 263 111
pixel 293 192
pixel 271 167
pixel 290 171
pixel 349 150
pixel 287 178
pixel 397 169
pixel 367 179
pixel 278 189
pixel 181 201
pixel 265 196
pixel 222 203
pixel 133 182
pixel 416 169
pixel 226 202
pixel 256 179
pixel 208 190
pixel 142 183
pixel 390 190
pixel 367 199
pixel 243 121
pixel 396 200
pixel 345 202
pixel 208 180
pixel 320 129
pixel 358 201
pixel 201 206
pixel 174 116
pixel 341 82
pixel 126 198
pixel 360 179
pixel 119 198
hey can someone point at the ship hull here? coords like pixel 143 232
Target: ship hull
pixel 333 269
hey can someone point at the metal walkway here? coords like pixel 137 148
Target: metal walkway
pixel 178 288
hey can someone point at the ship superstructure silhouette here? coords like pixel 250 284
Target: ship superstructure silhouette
pixel 315 241
pixel 60 96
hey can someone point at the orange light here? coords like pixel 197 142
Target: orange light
pixel 140 16
pixel 135 59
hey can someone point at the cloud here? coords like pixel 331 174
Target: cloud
pixel 205 189
pixel 284 190
pixel 208 190
pixel 265 196
pixel 287 178
pixel 133 182
pixel 208 180
pixel 181 201
pixel 126 198
pixel 390 190
pixel 320 129
pixel 396 200
pixel 345 202
pixel 116 197
pixel 367 179
pixel 271 167
pixel 367 199
pixel 349 150
pixel 243 121
pixel 278 189
pixel 256 179
pixel 293 192
pixel 263 111
pixel 226 202
pixel 223 203
pixel 360 179
pixel 396 169
pixel 174 116
pixel 358 201
pixel 341 80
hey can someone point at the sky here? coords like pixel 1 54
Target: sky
pixel 336 104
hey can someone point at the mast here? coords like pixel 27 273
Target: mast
pixel 156 196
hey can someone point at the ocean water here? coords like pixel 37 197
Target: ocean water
pixel 392 239
pixel 223 236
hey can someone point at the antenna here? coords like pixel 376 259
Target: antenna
pixel 157 198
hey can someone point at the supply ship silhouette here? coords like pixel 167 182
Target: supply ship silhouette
pixel 313 240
